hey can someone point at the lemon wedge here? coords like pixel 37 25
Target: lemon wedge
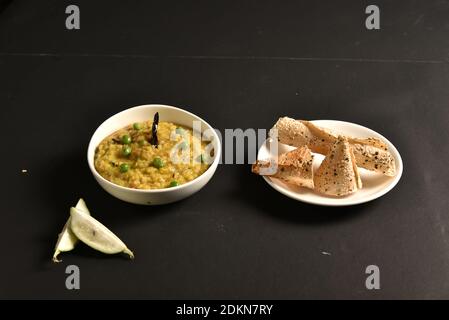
pixel 95 234
pixel 66 239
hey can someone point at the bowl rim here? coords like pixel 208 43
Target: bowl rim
pixel 212 167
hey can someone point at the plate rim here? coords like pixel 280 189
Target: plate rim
pixel 394 182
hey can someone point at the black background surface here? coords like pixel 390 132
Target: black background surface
pixel 237 64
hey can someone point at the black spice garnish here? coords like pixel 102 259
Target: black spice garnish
pixel 153 139
pixel 116 140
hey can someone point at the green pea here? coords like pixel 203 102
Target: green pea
pixel 179 131
pixel 183 145
pixel 126 139
pixel 174 183
pixel 124 167
pixel 126 150
pixel 158 163
pixel 137 126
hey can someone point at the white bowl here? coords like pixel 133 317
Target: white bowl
pixel 140 114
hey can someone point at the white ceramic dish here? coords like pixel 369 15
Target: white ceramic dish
pixel 143 113
pixel 375 185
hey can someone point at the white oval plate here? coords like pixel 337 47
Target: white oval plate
pixel 375 184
